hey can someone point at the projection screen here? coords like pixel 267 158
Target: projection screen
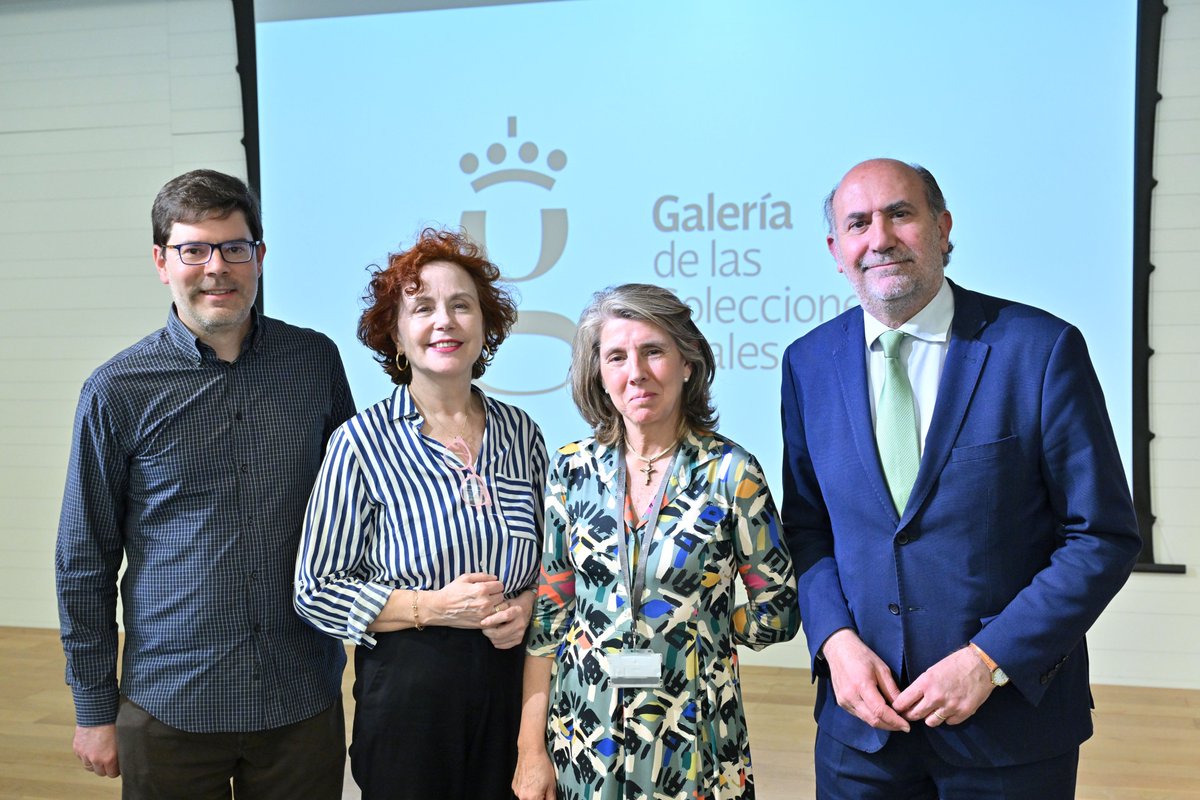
pixel 588 143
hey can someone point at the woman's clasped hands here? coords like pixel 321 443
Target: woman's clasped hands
pixel 476 600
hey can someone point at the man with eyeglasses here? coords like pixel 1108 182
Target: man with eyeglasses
pixel 192 458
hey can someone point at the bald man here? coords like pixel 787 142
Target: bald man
pixel 958 513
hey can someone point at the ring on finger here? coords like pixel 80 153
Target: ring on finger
pixel 939 716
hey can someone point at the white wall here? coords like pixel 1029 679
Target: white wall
pixel 1150 635
pixel 102 102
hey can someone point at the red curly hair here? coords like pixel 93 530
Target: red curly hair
pixel 402 276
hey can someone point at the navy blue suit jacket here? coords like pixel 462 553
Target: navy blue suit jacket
pixel 1018 532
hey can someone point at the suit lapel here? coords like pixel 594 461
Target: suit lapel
pixel 960 376
pixel 850 357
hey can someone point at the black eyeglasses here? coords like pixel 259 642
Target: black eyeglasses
pixel 235 251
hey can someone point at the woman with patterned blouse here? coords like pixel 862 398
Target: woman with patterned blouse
pixel 631 677
pixel 422 535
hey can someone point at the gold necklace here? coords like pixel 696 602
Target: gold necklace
pixel 457 431
pixel 648 470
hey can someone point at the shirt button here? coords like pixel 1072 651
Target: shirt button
pixel 245 468
pixel 257 627
pixel 892 607
pixel 238 416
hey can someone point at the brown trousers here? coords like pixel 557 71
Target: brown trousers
pixel 303 760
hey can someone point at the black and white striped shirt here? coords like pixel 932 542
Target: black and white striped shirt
pixel 385 514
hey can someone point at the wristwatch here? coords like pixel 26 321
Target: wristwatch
pixel 999 678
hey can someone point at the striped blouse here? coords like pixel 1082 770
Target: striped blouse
pixel 385 514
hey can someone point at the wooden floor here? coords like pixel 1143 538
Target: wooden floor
pixel 1146 747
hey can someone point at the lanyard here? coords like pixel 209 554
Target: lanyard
pixel 637 583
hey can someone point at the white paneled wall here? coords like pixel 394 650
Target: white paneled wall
pixel 101 102
pixel 1150 635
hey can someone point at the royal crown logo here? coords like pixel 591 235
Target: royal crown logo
pixel 502 168
pixel 527 153
pixel 554 220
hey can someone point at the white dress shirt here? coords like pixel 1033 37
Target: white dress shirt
pixel 923 353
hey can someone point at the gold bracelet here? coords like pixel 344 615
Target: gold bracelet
pixel 416 616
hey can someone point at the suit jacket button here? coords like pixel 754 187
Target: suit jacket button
pixel 902 539
pixel 892 607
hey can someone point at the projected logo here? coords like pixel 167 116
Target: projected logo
pixel 512 163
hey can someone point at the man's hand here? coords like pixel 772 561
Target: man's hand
pixel 97 749
pixel 862 682
pixel 948 692
pixel 506 627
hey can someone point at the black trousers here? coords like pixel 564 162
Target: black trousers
pixel 436 716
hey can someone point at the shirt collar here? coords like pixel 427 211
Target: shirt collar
pixel 189 344
pixel 405 408
pixel 931 323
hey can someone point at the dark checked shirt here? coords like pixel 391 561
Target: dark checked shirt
pixel 197 471
pixel 387 513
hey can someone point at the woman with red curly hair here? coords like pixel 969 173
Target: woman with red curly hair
pixel 423 533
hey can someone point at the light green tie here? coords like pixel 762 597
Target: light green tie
pixel 896 423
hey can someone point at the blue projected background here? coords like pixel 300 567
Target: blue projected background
pixel 690 144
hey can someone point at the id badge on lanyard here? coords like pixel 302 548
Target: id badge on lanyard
pixel 636 667
pixel 631 669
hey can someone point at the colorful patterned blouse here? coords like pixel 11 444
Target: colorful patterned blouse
pixel 686 738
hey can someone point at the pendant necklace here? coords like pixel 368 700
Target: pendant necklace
pixel 648 470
